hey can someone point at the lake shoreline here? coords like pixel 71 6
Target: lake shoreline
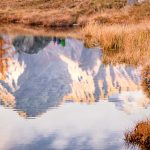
pixel 114 26
pixel 133 40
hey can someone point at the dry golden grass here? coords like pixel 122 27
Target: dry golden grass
pixel 36 18
pixel 127 15
pixel 67 13
pixel 120 43
pixel 140 135
pixel 66 4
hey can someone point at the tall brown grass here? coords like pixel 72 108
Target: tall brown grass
pixel 120 43
pixel 140 136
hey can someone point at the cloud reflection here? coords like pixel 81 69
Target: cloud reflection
pixel 70 125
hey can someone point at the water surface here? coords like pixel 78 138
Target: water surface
pixel 57 94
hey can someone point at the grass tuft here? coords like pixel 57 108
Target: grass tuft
pixel 140 136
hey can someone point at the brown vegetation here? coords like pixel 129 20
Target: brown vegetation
pixel 140 136
pixel 120 43
pixel 69 13
pixel 146 80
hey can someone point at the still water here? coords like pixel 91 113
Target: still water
pixel 57 94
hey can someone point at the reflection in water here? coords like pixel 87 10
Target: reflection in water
pixel 146 80
pixel 10 69
pixel 39 73
pixel 3 60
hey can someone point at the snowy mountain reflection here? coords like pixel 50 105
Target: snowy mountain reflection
pixel 39 73
pixel 75 101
